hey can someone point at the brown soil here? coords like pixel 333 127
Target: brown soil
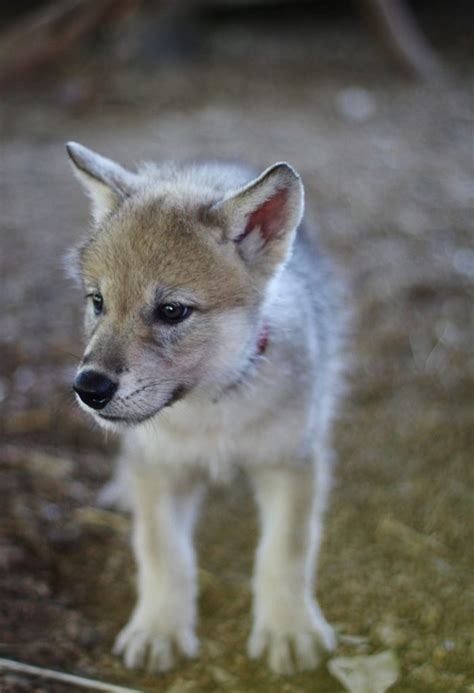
pixel 392 193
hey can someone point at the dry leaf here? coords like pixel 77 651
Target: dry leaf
pixel 371 674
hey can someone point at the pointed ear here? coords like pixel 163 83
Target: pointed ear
pixel 262 217
pixel 106 183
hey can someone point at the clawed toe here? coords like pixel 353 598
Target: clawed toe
pixel 286 653
pixel 288 650
pixel 145 649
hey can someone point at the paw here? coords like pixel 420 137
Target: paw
pixel 146 645
pixel 291 641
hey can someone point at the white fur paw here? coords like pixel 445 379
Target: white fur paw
pixel 292 643
pixel 147 646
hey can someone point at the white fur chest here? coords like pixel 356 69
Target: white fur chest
pixel 246 428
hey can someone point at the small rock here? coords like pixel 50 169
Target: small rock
pixel 213 648
pixel 390 634
pixel 463 261
pixel 180 686
pixel 50 512
pixel 23 379
pixel 11 557
pixel 431 616
pixel 425 673
pixel 64 537
pixel 355 103
pixel 49 465
pixel 223 677
pixel 439 655
pixel 89 637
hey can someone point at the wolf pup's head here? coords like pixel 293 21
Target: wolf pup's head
pixel 176 271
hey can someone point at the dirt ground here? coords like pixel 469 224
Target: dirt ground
pixel 388 169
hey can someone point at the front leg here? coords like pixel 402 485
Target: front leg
pixel 163 621
pixel 286 616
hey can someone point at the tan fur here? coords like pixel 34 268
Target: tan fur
pixel 214 239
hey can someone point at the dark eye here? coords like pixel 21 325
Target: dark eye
pixel 172 312
pixel 97 302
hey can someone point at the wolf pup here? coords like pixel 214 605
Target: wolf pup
pixel 213 328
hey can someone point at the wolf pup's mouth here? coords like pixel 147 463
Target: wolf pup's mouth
pixel 135 419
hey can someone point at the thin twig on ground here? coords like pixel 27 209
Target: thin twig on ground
pixel 51 675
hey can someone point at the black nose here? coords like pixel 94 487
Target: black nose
pixel 94 388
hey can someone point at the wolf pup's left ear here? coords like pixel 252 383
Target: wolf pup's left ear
pixel 106 182
pixel 262 217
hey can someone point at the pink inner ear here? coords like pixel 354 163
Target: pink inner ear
pixel 270 217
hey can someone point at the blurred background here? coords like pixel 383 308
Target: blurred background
pixel 372 102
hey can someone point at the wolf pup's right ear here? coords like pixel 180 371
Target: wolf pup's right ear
pixel 262 217
pixel 106 182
